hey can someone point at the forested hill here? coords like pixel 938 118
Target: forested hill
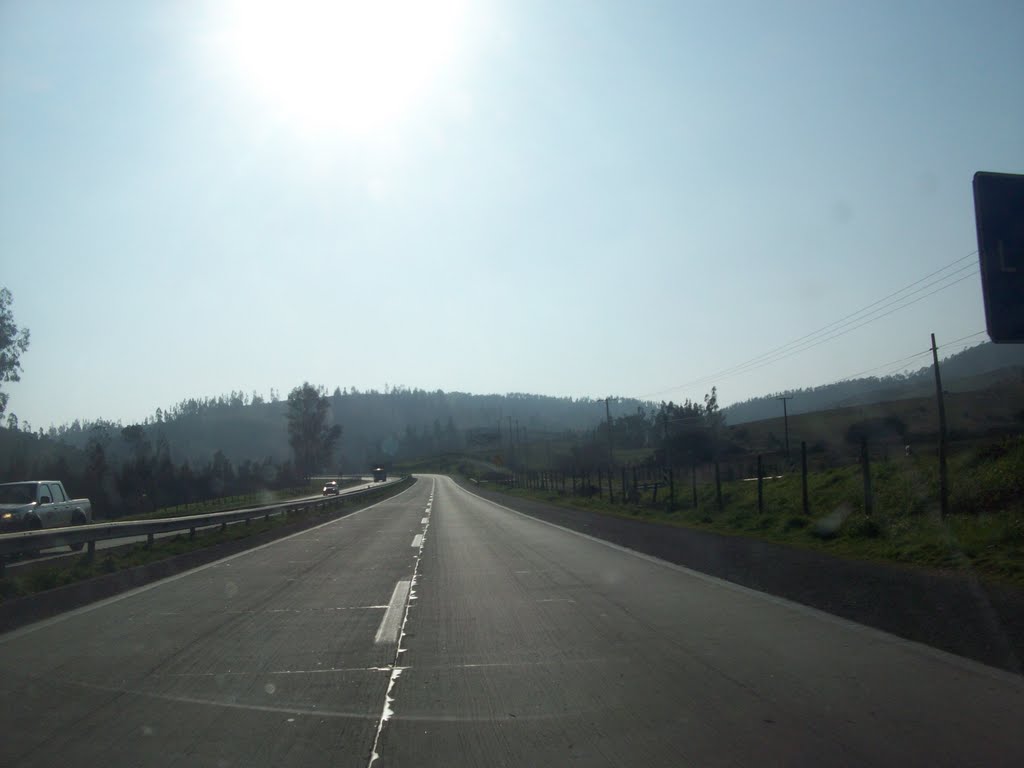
pixel 403 423
pixel 399 423
pixel 971 369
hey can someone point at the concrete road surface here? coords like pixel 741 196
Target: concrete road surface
pixel 436 628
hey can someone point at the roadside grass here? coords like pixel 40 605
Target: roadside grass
pixel 134 555
pixel 984 531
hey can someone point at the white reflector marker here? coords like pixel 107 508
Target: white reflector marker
pixel 392 621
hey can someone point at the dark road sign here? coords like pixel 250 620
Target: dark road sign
pixel 999 215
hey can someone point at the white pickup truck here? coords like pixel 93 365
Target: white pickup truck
pixel 36 504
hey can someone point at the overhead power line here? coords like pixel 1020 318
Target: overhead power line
pixel 876 310
pixel 846 330
pixel 883 365
pixel 899 363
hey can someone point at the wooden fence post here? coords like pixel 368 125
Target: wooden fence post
pixel 865 462
pixel 693 477
pixel 760 486
pixel 718 486
pixel 803 477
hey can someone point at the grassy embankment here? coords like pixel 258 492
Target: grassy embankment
pixel 984 531
pixel 121 558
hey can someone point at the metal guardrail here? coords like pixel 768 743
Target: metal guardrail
pixel 27 541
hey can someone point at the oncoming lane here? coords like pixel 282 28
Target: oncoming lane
pixel 269 657
pixel 56 553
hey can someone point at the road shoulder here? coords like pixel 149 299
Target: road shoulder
pixel 950 611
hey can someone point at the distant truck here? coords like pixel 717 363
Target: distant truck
pixel 36 504
pixel 380 475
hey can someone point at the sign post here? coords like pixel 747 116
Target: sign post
pixel 999 216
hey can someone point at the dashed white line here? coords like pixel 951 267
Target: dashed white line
pixel 386 711
pixel 424 521
pixel 387 632
pixel 417 541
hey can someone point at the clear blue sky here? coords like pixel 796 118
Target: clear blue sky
pixel 567 198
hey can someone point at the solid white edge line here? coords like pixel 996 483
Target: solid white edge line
pixel 28 629
pixel 390 622
pixel 969 665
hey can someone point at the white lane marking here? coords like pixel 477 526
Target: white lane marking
pixel 386 711
pixel 556 600
pixel 387 632
pixel 424 521
pixel 968 665
pixel 21 632
pixel 417 540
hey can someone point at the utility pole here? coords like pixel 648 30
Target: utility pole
pixel 943 474
pixel 608 413
pixel 785 419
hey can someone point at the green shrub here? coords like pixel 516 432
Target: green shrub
pixel 795 523
pixel 863 527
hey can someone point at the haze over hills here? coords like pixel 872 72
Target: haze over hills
pixel 973 368
pixel 403 423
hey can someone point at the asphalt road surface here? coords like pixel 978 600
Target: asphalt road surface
pixel 436 628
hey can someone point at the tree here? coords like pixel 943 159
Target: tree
pixel 13 341
pixel 311 439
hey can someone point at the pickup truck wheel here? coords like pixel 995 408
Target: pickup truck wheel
pixel 77 519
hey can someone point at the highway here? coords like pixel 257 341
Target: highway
pixel 56 553
pixel 439 629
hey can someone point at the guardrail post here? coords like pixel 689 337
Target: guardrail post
pixel 149 541
pixel 192 533
pixel 90 552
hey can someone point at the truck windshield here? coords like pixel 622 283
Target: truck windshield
pixel 17 493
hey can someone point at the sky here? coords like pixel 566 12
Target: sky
pixel 563 198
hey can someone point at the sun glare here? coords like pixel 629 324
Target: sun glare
pixel 354 67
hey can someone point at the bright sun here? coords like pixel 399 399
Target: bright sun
pixel 354 67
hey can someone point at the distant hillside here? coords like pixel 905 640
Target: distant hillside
pixel 399 424
pixel 975 368
pixel 404 424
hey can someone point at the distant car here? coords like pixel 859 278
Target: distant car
pixel 331 488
